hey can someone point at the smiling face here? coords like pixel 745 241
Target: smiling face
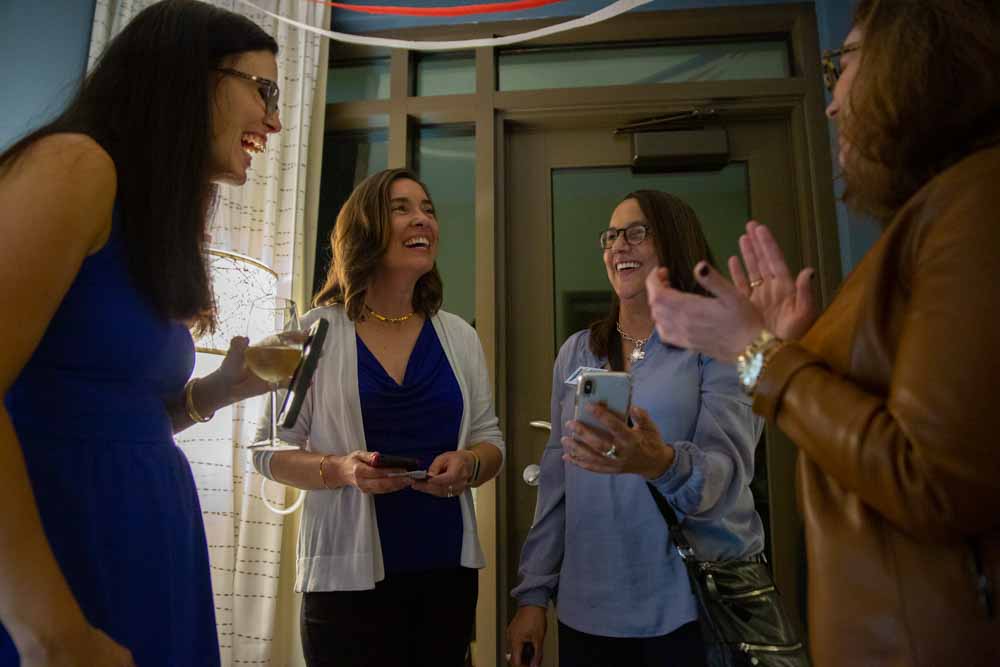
pixel 628 265
pixel 240 122
pixel 413 242
pixel 838 109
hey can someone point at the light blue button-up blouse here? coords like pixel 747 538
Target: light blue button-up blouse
pixel 598 546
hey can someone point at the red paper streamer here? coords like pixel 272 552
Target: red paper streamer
pixel 464 10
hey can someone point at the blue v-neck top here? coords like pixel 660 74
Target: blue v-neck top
pixel 419 418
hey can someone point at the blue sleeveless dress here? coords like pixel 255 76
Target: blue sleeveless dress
pixel 117 498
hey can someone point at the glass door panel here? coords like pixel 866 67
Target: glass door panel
pixel 582 202
pixel 561 186
pixel 444 158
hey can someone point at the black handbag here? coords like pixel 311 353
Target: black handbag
pixel 739 610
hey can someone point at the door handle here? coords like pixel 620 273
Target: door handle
pixel 533 471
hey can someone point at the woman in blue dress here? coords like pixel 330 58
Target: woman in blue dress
pixel 103 560
pixel 387 564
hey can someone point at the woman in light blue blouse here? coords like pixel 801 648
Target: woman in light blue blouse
pixel 599 548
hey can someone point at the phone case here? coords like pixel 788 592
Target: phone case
pixel 312 350
pixel 390 461
pixel 612 389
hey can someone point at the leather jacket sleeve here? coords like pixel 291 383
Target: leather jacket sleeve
pixel 924 450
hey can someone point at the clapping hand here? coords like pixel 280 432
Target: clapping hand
pixel 723 326
pixel 787 306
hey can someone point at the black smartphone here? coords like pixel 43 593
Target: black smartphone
pixel 312 349
pixel 527 653
pixel 390 461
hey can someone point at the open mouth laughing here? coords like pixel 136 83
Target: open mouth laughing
pixel 418 242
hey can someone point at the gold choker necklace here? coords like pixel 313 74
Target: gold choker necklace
pixel 384 318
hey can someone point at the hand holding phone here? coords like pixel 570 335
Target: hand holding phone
pixel 614 390
pixel 389 461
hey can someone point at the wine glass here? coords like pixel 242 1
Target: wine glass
pixel 273 324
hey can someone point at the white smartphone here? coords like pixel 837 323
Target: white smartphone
pixel 613 389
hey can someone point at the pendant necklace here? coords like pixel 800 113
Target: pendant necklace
pixel 638 353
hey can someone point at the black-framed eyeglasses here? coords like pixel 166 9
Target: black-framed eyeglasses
pixel 635 234
pixel 831 64
pixel 268 89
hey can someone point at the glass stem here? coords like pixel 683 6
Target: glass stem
pixel 274 415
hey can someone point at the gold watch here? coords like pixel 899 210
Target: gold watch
pixel 750 364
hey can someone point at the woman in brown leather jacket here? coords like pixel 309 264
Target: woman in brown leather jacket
pixel 891 394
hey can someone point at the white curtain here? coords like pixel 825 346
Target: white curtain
pixel 265 219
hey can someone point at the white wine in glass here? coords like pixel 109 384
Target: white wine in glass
pixel 274 356
pixel 273 362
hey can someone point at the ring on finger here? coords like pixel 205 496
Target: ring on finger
pixel 756 283
pixel 451 491
pixel 612 452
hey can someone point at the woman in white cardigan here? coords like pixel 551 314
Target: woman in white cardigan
pixel 387 563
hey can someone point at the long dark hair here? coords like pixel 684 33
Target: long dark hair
pixel 680 244
pixel 149 104
pixel 360 239
pixel 926 94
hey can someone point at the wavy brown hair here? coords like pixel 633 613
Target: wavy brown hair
pixel 926 94
pixel 680 244
pixel 360 239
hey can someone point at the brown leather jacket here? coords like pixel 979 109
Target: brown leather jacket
pixel 893 398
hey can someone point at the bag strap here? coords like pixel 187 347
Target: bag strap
pixel 684 547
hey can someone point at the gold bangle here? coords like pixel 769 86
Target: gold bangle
pixel 192 412
pixel 322 475
pixel 475 468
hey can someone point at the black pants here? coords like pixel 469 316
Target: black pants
pixel 681 648
pixel 408 620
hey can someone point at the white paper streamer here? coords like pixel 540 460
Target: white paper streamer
pixel 612 10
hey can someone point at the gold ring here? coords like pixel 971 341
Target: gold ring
pixel 756 283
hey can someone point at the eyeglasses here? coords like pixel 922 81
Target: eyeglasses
pixel 268 89
pixel 831 64
pixel 635 234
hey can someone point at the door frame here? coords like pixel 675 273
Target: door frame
pixel 534 152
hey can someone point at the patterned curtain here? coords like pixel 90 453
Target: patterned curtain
pixel 265 219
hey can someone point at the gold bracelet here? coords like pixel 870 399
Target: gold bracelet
pixel 750 365
pixel 322 475
pixel 475 468
pixel 192 412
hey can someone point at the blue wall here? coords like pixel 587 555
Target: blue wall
pixel 43 46
pixel 857 233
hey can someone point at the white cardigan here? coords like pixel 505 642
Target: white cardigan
pixel 339 547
